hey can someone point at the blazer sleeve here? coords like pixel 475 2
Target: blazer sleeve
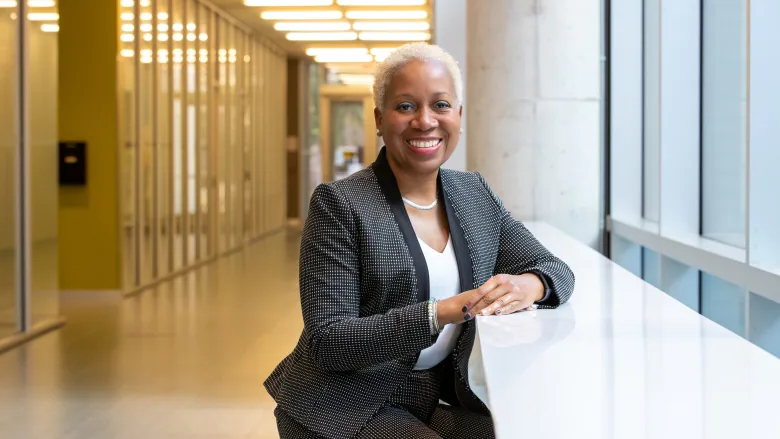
pixel 338 338
pixel 520 252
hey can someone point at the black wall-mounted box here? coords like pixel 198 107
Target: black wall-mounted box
pixel 73 163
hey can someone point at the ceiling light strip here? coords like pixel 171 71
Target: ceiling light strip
pixel 301 15
pixel 322 36
pixel 395 36
pixel 314 51
pixel 381 2
pixel 287 3
pixel 387 15
pixel 312 26
pixel 391 25
pixel 344 58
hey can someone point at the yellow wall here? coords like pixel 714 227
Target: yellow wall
pixel 89 250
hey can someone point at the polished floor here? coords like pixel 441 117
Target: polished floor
pixel 185 360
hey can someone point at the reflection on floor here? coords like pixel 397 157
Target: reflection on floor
pixel 44 294
pixel 186 360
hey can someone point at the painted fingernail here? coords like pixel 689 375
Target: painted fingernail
pixel 467 317
pixel 465 308
pixel 499 311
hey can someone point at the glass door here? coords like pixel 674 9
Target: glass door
pixel 9 144
pixel 348 137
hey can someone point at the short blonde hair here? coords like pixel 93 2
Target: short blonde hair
pixel 406 54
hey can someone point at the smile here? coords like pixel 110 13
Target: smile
pixel 424 144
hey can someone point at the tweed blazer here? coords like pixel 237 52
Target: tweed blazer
pixel 364 286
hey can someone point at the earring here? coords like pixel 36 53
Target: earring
pixel 377 132
pixel 461 130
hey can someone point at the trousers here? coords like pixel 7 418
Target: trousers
pixel 413 411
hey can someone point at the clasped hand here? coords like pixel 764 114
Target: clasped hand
pixel 501 294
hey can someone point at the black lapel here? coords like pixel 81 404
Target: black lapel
pixel 462 253
pixel 389 186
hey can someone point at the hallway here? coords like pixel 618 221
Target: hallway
pixel 185 360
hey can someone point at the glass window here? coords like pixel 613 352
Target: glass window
pixel 9 148
pixel 179 126
pixel 652 122
pixel 723 303
pixel 651 267
pixel 765 323
pixel 145 91
pixel 164 139
pixel 764 135
pixel 205 60
pixel 724 120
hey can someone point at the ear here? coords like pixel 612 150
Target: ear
pixel 378 119
pixel 460 111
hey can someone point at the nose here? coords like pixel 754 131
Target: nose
pixel 424 120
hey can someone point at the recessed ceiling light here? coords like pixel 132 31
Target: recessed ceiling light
pixel 391 25
pixel 322 36
pixel 312 26
pixel 301 15
pixel 387 15
pixel 50 27
pixel 288 2
pixel 7 3
pixel 395 36
pixel 380 2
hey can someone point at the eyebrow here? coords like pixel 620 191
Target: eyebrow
pixel 408 96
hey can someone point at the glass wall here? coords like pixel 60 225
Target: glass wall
pixel 9 152
pixel 197 137
pixel 703 155
pixel 29 295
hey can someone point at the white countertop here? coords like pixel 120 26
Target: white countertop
pixel 623 360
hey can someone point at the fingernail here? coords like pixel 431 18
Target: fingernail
pixel 465 308
pixel 467 317
pixel 484 312
pixel 499 311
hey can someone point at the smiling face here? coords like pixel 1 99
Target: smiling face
pixel 420 121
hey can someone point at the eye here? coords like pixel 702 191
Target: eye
pixel 442 105
pixel 405 106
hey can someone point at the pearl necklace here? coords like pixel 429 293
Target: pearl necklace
pixel 417 206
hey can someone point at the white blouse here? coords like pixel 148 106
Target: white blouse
pixel 444 279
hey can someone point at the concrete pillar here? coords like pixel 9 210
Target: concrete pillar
pixel 449 33
pixel 534 105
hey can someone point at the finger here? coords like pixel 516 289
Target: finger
pixel 491 297
pixel 516 306
pixel 499 303
pixel 504 294
pixel 474 296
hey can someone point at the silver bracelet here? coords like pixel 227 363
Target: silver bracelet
pixel 431 310
pixel 433 316
pixel 436 316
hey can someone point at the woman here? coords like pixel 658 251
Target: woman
pixel 396 262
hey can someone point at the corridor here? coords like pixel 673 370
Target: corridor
pixel 184 360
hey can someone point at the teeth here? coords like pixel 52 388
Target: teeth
pixel 423 144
